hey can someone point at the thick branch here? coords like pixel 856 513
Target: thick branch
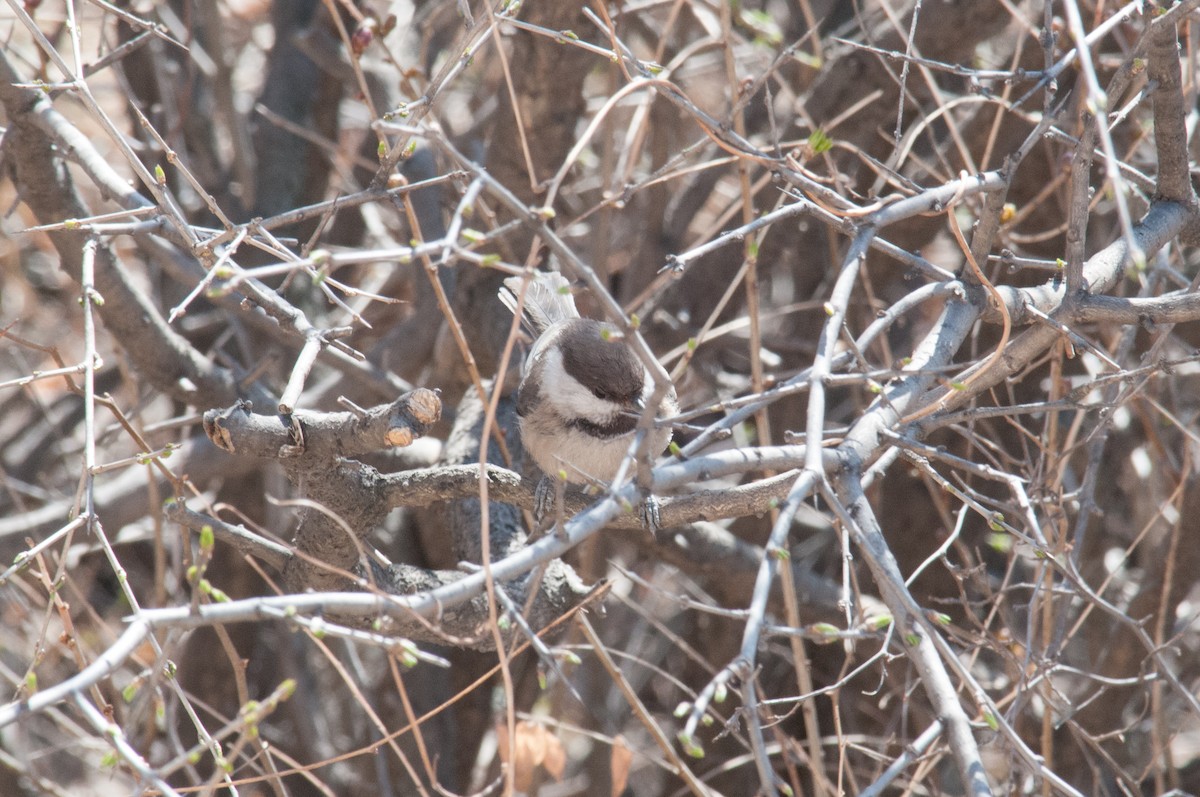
pixel 1176 309
pixel 319 436
pixel 448 483
pixel 1170 128
pixel 345 494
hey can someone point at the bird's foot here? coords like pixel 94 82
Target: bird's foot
pixel 548 503
pixel 549 507
pixel 649 513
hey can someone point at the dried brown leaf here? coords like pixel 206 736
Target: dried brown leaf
pixel 622 758
pixel 534 746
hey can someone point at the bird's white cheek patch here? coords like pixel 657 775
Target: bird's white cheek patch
pixel 647 389
pixel 571 399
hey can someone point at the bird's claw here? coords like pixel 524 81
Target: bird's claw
pixel 549 495
pixel 548 503
pixel 651 515
pixel 543 499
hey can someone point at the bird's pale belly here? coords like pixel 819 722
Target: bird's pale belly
pixel 582 457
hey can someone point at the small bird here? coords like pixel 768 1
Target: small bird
pixel 582 388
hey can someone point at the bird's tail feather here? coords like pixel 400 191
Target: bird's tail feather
pixel 548 300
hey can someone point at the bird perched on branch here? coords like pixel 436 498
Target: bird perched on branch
pixel 583 390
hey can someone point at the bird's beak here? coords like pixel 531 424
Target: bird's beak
pixel 639 404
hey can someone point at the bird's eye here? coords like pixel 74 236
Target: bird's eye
pixel 602 393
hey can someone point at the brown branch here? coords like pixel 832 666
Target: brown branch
pixel 1173 309
pixel 1077 210
pixel 1170 127
pixel 342 502
pixel 448 483
pixel 322 436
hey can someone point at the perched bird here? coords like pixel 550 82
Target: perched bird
pixel 582 388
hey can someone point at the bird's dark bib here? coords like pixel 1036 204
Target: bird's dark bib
pixel 622 424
